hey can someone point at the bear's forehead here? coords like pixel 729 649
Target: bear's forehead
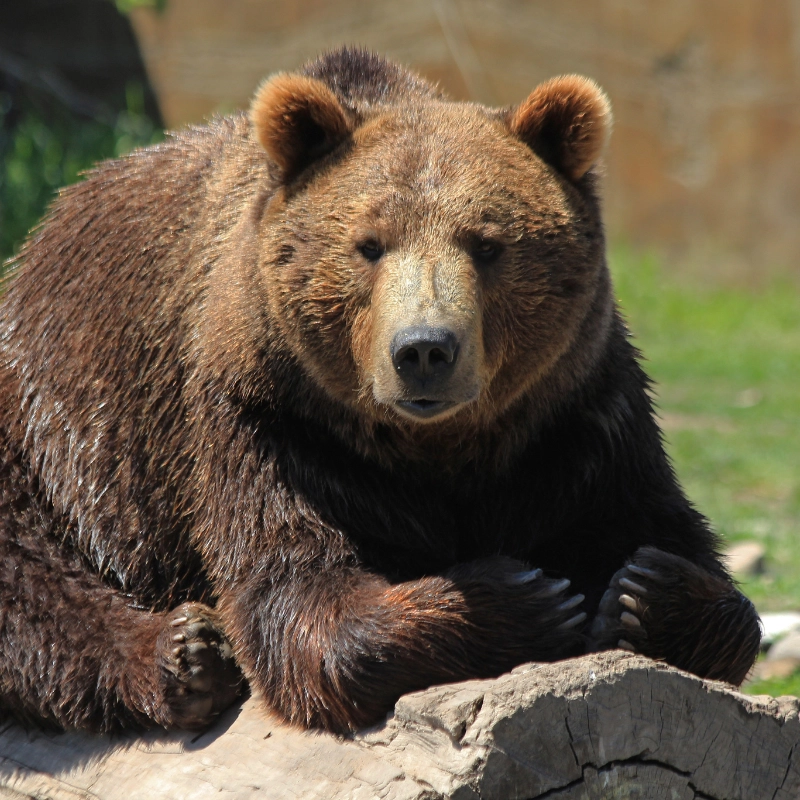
pixel 440 141
pixel 447 160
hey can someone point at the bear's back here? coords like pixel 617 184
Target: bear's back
pixel 92 340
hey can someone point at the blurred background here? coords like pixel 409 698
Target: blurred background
pixel 702 190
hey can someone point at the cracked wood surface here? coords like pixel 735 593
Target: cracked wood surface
pixel 609 725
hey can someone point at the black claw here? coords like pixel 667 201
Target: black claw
pixel 200 676
pixel 629 603
pixel 629 620
pixel 573 622
pixel 526 577
pixel 571 603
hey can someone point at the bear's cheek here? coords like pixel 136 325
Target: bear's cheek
pixel 528 326
pixel 319 302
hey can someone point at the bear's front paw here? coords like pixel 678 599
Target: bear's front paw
pixel 670 609
pixel 523 614
pixel 199 676
pixel 557 607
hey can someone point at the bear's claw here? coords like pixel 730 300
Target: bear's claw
pixel 629 620
pixel 627 583
pixel 526 577
pixel 573 601
pixel 630 603
pixel 575 621
pixel 556 587
pixel 644 572
pixel 622 612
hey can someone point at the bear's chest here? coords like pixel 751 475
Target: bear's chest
pixel 416 527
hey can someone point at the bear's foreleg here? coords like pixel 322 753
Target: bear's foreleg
pixel 335 648
pixel 668 608
pixel 75 653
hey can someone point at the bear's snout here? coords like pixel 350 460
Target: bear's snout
pixel 427 358
pixel 424 358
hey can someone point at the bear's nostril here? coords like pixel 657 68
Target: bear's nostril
pixel 436 355
pixel 423 351
pixel 410 355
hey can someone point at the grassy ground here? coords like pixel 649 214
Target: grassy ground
pixel 727 366
pixel 776 686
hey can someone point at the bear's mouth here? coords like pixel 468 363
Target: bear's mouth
pixel 424 408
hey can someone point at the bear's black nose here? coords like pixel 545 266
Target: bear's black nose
pixel 422 352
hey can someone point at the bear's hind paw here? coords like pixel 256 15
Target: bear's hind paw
pixel 199 676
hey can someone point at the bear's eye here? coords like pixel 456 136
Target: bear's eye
pixel 484 251
pixel 371 250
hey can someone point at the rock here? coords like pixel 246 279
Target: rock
pixel 603 726
pixel 787 647
pixel 745 559
pixel 778 668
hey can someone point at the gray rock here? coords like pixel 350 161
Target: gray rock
pixel 787 647
pixel 775 668
pixel 775 625
pixel 745 559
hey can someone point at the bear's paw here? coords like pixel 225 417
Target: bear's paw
pixel 199 676
pixel 667 608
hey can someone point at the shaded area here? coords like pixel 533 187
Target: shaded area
pixel 73 90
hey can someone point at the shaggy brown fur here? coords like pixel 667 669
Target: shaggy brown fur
pixel 345 370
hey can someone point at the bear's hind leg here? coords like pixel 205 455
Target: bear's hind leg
pixel 75 653
pixel 668 608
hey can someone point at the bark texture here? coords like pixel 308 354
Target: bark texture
pixel 603 726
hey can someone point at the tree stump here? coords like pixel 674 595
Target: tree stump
pixel 609 725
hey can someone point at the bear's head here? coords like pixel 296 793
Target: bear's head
pixel 429 262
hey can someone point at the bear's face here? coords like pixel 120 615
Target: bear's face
pixel 426 261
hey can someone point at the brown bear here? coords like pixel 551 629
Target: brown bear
pixel 345 380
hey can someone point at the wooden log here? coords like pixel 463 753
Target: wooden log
pixel 610 725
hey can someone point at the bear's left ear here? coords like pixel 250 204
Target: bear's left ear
pixel 566 122
pixel 297 120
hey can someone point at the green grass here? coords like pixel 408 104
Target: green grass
pixel 726 362
pixel 776 686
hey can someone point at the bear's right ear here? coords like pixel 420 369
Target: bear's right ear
pixel 297 120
